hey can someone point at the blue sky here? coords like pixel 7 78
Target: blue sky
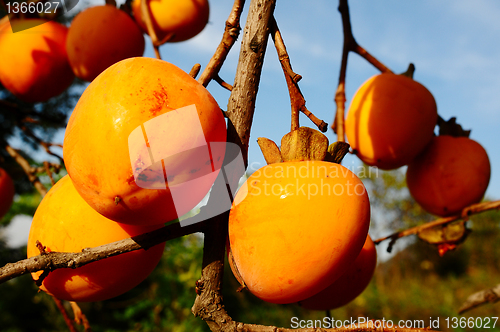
pixel 454 45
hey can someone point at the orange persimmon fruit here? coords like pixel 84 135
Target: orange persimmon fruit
pixel 63 222
pixel 7 192
pixel 296 226
pixel 99 37
pixel 34 65
pixel 390 120
pixel 145 142
pixel 183 19
pixel 450 174
pixel 350 285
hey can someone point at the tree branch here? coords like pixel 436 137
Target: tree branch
pixel 208 304
pixel 57 260
pixel 466 212
pixel 490 295
pixel 27 169
pixel 229 37
pixel 297 100
pixel 350 45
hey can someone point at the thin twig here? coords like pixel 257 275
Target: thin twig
pixel 490 295
pixel 229 37
pixel 63 312
pixel 297 100
pixel 350 45
pixel 27 169
pixel 466 212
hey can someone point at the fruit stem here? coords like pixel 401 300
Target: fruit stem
pixel 337 151
pixel 410 71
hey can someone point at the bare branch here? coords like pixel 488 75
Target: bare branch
pixel 241 106
pixel 466 212
pixel 297 100
pixel 490 295
pixel 229 37
pixel 57 260
pixel 27 169
pixel 350 45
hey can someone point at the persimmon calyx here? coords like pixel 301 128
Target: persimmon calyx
pixel 304 144
pixel 270 150
pixel 337 151
pixel 451 128
pixel 301 145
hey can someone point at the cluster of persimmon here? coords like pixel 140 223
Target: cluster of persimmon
pixel 128 150
pixel 40 57
pixel 390 123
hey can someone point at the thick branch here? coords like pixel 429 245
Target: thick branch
pixel 490 295
pixel 56 260
pixel 468 211
pixel 208 304
pixel 229 37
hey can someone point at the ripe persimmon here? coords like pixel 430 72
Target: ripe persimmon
pixel 390 120
pixel 351 284
pixel 34 65
pixel 99 37
pixel 63 222
pixel 296 226
pixel 7 192
pixel 183 19
pixel 145 142
pixel 450 174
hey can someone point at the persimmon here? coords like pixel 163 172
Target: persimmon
pixel 63 222
pixel 350 285
pixel 294 227
pixel 145 142
pixel 99 37
pixel 34 64
pixel 450 174
pixel 182 19
pixel 390 120
pixel 7 192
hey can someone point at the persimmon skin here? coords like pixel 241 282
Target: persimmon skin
pixel 350 285
pixel 449 175
pixel 63 222
pixel 99 37
pixel 390 120
pixel 184 18
pixel 96 147
pixel 34 65
pixel 7 192
pixel 294 228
